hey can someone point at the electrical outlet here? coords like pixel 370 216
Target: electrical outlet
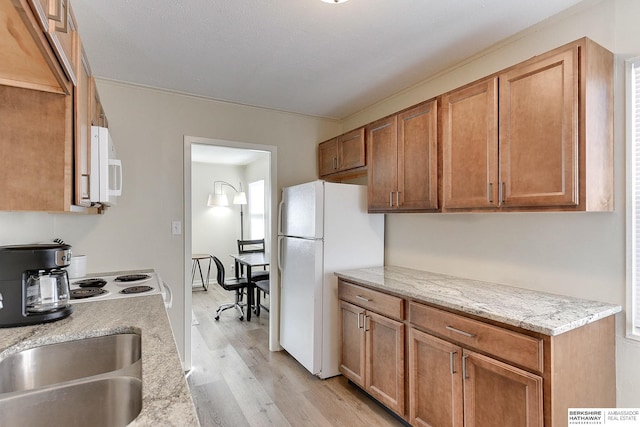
pixel 176 228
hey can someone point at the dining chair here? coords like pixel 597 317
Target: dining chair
pixel 253 246
pixel 233 284
pixel 261 285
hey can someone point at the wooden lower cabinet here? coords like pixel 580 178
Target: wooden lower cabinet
pixel 372 354
pixel 439 368
pixel 453 387
pixel 435 381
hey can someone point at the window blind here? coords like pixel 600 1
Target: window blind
pixel 635 193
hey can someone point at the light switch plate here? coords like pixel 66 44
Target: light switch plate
pixel 176 227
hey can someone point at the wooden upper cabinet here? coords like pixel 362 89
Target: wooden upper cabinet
pixel 82 99
pixel 28 59
pixel 470 146
pixel 403 160
pixel 64 39
pixel 343 153
pixel 328 157
pixel 382 162
pixel 539 132
pixel 536 136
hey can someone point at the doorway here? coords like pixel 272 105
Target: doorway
pixel 237 164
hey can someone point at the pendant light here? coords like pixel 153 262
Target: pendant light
pixel 335 1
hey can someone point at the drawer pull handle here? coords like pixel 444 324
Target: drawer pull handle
pixel 458 331
pixel 360 297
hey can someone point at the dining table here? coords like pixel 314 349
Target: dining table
pixel 250 260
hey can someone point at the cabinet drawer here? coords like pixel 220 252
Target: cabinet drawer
pixel 517 348
pixel 379 302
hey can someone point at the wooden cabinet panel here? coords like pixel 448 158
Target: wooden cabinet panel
pixel 418 157
pixel 351 150
pixel 385 304
pixel 328 157
pixel 514 347
pixel 435 383
pixel 28 60
pixel 82 135
pixel 64 39
pixel 497 394
pixel 385 360
pixel 539 132
pixel 352 338
pixel 35 161
pixel 342 153
pixel 470 146
pixel 382 161
pixel 402 159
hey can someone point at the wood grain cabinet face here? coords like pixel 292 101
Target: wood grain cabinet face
pixel 539 132
pixel 342 153
pixel 372 354
pixel 497 394
pixel 403 161
pixel 537 136
pixel 82 137
pixel 453 387
pixel 470 146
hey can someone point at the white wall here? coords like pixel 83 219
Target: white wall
pixel 579 254
pixel 214 229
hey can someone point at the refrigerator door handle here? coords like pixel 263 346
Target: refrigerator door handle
pixel 280 209
pixel 280 252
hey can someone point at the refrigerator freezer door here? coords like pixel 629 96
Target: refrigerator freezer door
pixel 301 213
pixel 301 300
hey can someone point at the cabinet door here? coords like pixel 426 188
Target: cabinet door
pixel 382 160
pixel 351 150
pixel 328 157
pixel 352 338
pixel 435 381
pixel 384 378
pixel 418 157
pixel 539 132
pixel 497 394
pixel 82 134
pixel 470 146
pixel 63 37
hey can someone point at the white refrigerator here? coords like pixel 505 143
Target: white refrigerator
pixel 323 227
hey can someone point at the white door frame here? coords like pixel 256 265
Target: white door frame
pixel 274 293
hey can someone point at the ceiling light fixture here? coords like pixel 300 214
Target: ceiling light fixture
pixel 335 1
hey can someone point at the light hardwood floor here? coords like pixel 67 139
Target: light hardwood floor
pixel 236 381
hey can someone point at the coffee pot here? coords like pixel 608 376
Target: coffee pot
pixel 34 286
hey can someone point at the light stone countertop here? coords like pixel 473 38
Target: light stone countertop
pixel 166 399
pixel 535 311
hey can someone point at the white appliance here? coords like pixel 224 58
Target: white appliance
pixel 323 227
pixel 110 287
pixel 105 183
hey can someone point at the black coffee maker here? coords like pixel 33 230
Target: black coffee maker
pixel 34 286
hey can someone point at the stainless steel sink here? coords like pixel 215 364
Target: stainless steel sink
pixel 107 402
pixel 56 363
pixel 89 382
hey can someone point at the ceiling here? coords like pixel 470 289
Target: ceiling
pixel 301 56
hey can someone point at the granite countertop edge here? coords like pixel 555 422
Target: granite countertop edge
pixel 166 397
pixel 535 311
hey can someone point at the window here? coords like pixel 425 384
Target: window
pixel 633 198
pixel 256 210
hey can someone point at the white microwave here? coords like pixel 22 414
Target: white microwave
pixel 105 182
